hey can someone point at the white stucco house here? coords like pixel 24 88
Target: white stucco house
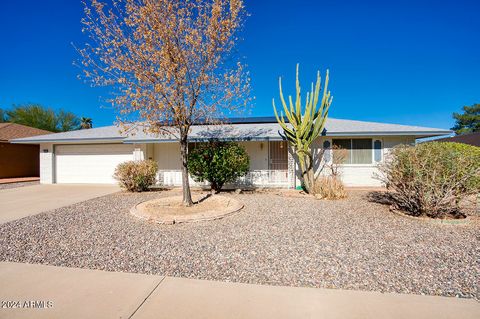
pixel 91 156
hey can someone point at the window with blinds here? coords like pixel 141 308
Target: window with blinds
pixel 360 149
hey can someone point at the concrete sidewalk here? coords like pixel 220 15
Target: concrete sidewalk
pixel 16 203
pixel 80 293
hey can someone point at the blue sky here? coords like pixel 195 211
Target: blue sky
pixel 408 62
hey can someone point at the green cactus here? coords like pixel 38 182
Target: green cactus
pixel 304 128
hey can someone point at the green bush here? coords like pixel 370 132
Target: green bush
pixel 136 176
pixel 431 179
pixel 218 163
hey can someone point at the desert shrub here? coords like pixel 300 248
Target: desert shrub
pixel 218 163
pixel 431 179
pixel 329 187
pixel 328 183
pixel 339 156
pixel 136 176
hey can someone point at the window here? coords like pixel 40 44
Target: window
pixel 360 150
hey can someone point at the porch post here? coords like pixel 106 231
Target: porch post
pixel 139 152
pixel 291 169
pixel 47 163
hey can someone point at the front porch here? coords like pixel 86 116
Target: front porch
pixel 269 165
pixel 253 179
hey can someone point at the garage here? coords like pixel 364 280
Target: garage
pixel 92 164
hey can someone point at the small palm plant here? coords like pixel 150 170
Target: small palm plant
pixel 303 128
pixel 86 123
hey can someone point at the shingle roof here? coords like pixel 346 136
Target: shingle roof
pixel 262 131
pixel 9 131
pixel 99 133
pixel 249 130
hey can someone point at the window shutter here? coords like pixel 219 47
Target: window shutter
pixel 377 146
pixel 327 151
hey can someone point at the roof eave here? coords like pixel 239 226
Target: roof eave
pixel 68 140
pixel 417 134
pixel 204 139
pixel 390 133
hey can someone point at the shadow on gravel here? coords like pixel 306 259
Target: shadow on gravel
pixel 385 198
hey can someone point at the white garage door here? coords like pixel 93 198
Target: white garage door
pixel 93 164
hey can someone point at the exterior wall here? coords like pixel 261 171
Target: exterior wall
pixel 258 153
pixel 390 142
pixel 167 156
pixel 19 160
pixel 354 175
pixel 360 175
pixel 149 151
pixel 46 163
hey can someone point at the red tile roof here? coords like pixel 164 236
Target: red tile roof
pixel 10 131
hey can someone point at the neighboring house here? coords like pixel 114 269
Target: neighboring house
pixel 18 160
pixel 90 156
pixel 469 138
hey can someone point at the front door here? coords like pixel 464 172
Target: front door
pixel 278 156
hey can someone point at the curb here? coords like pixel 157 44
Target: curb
pixel 170 221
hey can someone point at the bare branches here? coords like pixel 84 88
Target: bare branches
pixel 167 63
pixel 166 59
pixel 431 178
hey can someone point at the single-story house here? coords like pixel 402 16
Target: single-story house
pixel 90 156
pixel 468 138
pixel 19 160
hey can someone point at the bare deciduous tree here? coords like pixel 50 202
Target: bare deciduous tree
pixel 169 62
pixel 339 157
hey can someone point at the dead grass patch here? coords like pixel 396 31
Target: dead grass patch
pixel 170 210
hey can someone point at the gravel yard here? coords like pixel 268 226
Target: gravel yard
pixel 349 244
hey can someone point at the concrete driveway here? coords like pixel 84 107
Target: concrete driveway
pixel 20 202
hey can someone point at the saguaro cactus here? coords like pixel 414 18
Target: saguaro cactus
pixel 302 129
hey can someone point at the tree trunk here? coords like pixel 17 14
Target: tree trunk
pixel 310 175
pixel 303 171
pixel 306 168
pixel 187 195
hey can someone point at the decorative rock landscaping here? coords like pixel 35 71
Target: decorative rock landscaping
pixel 348 244
pixel 170 210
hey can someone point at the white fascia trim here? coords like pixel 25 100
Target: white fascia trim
pixel 70 140
pixel 193 140
pixel 399 133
